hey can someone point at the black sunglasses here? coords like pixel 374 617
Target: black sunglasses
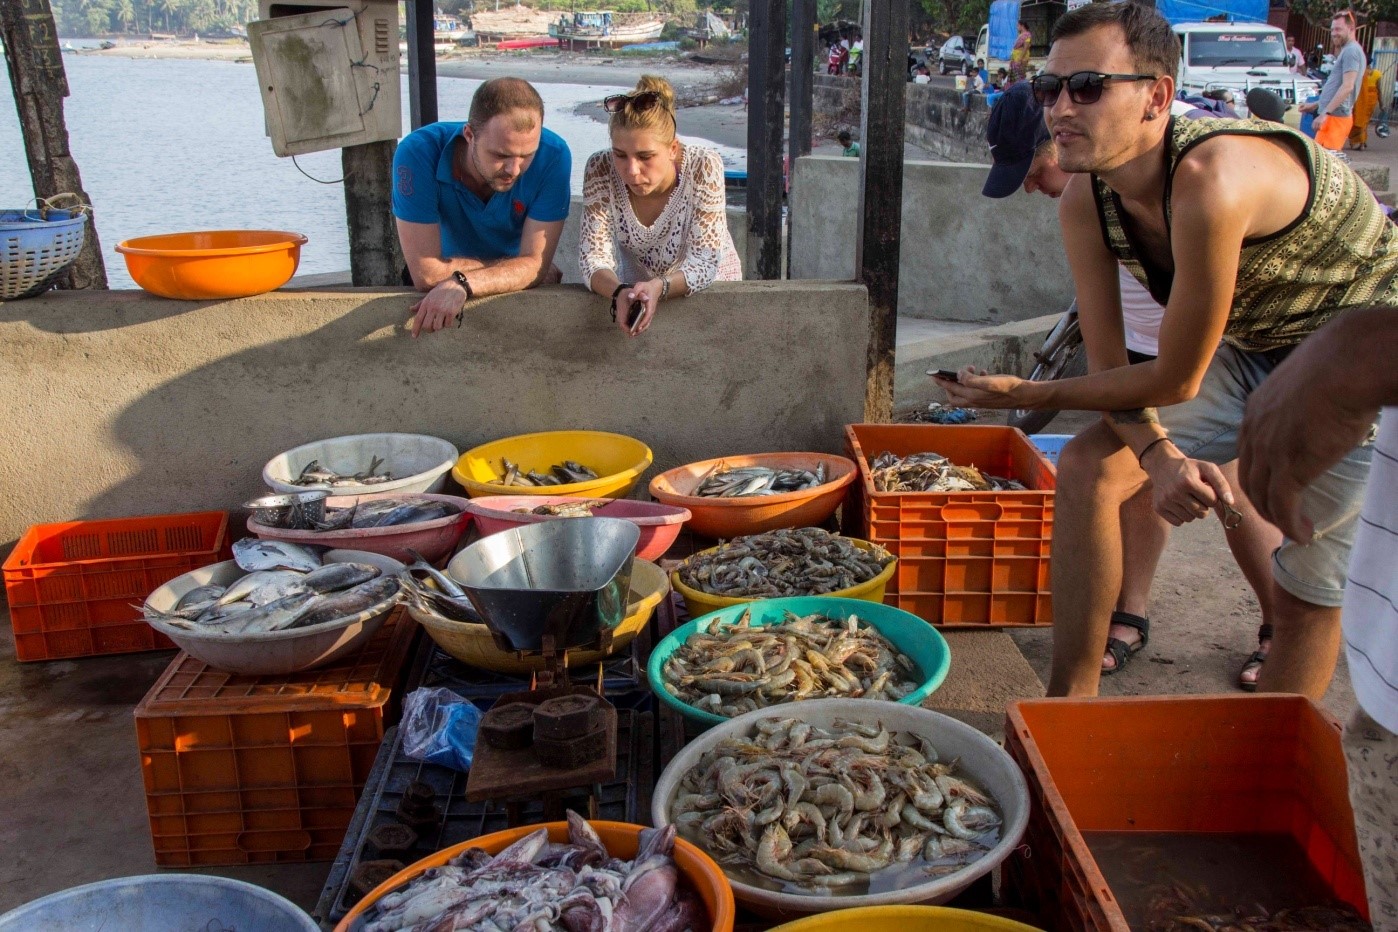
pixel 637 103
pixel 1084 87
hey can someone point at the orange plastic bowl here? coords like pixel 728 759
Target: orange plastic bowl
pixel 213 264
pixel 622 840
pixel 753 514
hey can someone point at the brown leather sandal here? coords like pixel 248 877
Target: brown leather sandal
pixel 1255 661
pixel 1120 650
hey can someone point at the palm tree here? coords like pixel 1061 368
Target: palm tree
pixel 125 14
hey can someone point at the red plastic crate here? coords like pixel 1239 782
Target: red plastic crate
pixel 247 770
pixel 1227 764
pixel 73 587
pixel 965 559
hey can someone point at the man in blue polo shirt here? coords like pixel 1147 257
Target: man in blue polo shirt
pixel 480 205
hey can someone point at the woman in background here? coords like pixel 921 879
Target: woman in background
pixel 655 223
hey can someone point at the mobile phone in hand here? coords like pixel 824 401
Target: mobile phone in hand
pixel 947 374
pixel 633 313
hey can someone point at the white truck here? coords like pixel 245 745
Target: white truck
pixel 1239 57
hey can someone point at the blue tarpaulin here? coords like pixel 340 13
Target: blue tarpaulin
pixel 1004 27
pixel 1197 11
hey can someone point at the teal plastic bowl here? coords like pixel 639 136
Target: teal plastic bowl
pixel 909 634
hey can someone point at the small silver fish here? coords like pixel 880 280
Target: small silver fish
pixel 336 576
pixel 243 617
pixel 447 584
pixel 338 605
pixel 260 587
pixel 253 554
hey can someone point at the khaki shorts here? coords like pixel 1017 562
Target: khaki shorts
pixel 1206 428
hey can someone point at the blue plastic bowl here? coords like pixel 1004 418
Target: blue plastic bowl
pixel 909 634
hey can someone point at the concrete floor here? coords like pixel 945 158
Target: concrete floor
pixel 73 801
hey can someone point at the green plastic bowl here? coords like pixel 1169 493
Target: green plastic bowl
pixel 909 634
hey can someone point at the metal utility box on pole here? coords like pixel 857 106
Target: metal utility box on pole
pixel 803 24
pixel 766 120
pixel 40 83
pixel 328 75
pixel 879 237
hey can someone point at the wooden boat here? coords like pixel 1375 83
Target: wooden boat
pixel 603 29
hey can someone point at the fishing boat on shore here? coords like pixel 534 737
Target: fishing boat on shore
pixel 448 34
pixel 605 29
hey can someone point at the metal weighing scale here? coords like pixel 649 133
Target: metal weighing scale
pixel 543 590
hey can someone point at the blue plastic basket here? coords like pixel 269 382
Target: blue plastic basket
pixel 35 246
pixel 1050 444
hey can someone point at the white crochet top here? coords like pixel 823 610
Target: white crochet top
pixel 690 235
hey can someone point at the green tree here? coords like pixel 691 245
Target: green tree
pixel 957 16
pixel 98 19
pixel 125 14
pixel 1370 11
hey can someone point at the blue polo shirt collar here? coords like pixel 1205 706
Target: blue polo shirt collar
pixel 446 170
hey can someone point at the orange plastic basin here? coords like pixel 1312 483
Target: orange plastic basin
pixel 621 839
pixel 213 264
pixel 735 517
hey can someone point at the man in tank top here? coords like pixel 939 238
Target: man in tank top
pixel 1245 232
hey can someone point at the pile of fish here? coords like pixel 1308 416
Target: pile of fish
pixel 316 474
pixel 729 669
pixel 825 808
pixel 443 598
pixel 744 481
pixel 801 561
pixel 379 512
pixel 564 473
pixel 287 587
pixel 539 885
pixel 564 509
pixel 932 472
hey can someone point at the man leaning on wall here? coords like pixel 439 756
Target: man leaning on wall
pixel 480 205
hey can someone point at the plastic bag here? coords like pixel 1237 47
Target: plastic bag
pixel 440 727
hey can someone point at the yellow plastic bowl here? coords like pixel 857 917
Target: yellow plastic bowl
pixel 213 264
pixel 473 644
pixel 904 919
pixel 618 460
pixel 701 603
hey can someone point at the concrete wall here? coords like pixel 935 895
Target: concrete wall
pixel 566 258
pixel 936 118
pixel 120 403
pixel 964 257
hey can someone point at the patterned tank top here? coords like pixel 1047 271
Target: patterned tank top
pixel 1340 253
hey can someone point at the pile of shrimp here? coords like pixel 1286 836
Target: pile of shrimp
pixel 825 808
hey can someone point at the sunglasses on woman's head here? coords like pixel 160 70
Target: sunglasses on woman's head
pixel 637 103
pixel 1084 87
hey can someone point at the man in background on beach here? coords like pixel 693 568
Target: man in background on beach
pixel 1334 112
pixel 480 205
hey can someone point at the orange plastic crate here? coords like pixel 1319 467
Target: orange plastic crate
pixel 72 587
pixel 246 770
pixel 965 559
pixel 1229 764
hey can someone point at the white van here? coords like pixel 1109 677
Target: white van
pixel 1238 56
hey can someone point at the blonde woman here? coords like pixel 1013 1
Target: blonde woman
pixel 654 224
